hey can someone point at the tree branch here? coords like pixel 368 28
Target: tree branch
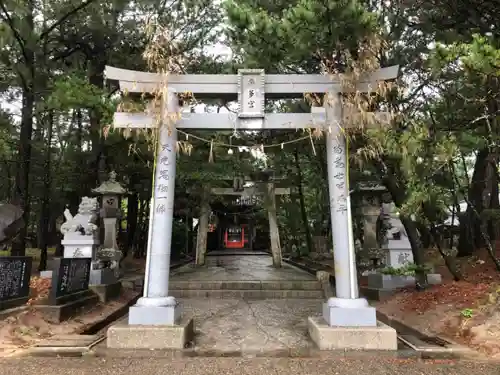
pixel 61 20
pixel 11 25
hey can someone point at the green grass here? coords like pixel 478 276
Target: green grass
pixel 32 252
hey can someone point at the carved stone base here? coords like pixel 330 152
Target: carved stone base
pixel 107 292
pixel 102 276
pixel 80 248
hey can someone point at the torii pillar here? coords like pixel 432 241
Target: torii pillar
pixel 156 307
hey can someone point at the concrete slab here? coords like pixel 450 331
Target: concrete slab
pixel 381 337
pixel 124 336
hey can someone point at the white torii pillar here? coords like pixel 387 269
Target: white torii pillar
pixel 346 308
pixel 156 307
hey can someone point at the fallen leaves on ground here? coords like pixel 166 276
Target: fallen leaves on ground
pixel 39 289
pixel 438 309
pixel 461 295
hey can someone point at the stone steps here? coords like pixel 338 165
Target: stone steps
pixel 245 285
pixel 309 289
pixel 247 293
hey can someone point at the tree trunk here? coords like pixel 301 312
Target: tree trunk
pixel 449 261
pixel 24 165
pixel 96 78
pixel 22 195
pixel 187 233
pixel 470 237
pixel 303 212
pixel 132 218
pixel 190 238
pixel 43 234
pixel 494 203
pixel 142 234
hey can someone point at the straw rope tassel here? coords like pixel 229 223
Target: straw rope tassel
pixel 211 154
pixel 312 143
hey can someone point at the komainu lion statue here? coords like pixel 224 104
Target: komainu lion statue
pixel 85 220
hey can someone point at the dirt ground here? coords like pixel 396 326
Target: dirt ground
pixel 467 311
pixel 28 327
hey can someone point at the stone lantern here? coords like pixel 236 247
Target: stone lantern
pixel 110 192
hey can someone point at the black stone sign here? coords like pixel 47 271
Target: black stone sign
pixel 70 276
pixel 15 275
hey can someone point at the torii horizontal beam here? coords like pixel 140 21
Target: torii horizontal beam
pixel 211 121
pixel 247 192
pixel 223 85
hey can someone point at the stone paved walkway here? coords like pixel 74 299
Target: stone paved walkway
pixel 239 268
pixel 228 325
pixel 240 325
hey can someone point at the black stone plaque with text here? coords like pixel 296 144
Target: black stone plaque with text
pixel 15 273
pixel 70 277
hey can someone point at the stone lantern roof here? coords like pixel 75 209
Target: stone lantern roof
pixel 110 187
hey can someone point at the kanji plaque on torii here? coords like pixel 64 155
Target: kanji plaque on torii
pixel 251 100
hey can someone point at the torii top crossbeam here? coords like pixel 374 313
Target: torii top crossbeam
pixel 250 87
pixel 231 85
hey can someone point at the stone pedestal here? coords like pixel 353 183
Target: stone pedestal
pixel 126 336
pixel 80 246
pixel 399 281
pixel 377 337
pixel 102 276
pixel 382 286
pixel 398 253
pixel 155 311
pixel 349 313
pixel 381 281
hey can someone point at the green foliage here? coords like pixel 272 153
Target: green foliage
pixel 296 36
pixel 409 269
pixel 480 56
pixel 467 313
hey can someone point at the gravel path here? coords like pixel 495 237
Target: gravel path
pixel 241 366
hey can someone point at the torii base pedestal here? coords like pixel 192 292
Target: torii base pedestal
pixel 153 323
pixel 126 336
pixel 350 324
pixel 380 337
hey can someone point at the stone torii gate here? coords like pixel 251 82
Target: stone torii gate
pixel 342 314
